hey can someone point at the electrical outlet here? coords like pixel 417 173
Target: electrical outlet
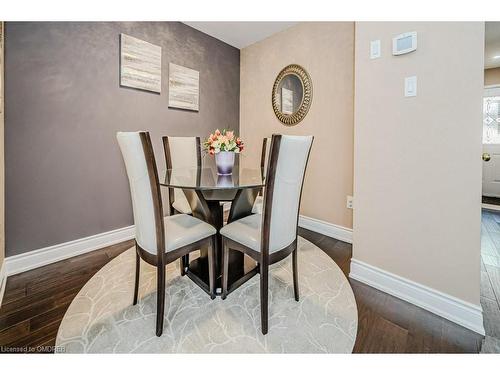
pixel 349 201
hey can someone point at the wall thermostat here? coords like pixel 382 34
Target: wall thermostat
pixel 404 43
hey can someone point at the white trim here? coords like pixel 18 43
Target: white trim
pixel 461 312
pixel 328 229
pixel 492 90
pixel 3 279
pixel 492 207
pixel 41 257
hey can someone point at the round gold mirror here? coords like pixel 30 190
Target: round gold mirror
pixel 292 94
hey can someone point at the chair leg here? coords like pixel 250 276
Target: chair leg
pixel 225 267
pixel 183 264
pixel 137 273
pixel 211 267
pixel 160 298
pixel 264 269
pixel 295 275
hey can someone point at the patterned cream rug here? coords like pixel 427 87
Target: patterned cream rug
pixel 101 318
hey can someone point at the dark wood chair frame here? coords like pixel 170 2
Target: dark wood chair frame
pixel 184 261
pixel 263 160
pixel 263 258
pixel 162 258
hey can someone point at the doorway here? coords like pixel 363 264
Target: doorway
pixel 490 215
pixel 491 148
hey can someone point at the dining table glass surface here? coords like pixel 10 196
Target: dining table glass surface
pixel 206 178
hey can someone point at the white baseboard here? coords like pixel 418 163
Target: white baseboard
pixel 461 312
pixel 41 257
pixel 328 229
pixel 3 280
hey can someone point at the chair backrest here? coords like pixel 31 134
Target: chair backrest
pixel 142 173
pixel 285 177
pixel 181 152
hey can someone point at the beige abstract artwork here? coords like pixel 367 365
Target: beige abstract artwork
pixel 183 87
pixel 140 64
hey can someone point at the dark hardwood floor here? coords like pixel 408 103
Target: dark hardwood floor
pixel 387 324
pixel 35 302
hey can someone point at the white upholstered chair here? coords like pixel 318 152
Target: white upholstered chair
pixel 264 158
pixel 159 240
pixel 181 152
pixel 272 236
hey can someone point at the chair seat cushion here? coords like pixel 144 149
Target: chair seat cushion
pixel 247 231
pixel 182 206
pixel 257 206
pixel 182 230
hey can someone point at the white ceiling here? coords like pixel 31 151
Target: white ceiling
pixel 243 34
pixel 492 45
pixel 240 34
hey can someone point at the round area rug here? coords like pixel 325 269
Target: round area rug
pixel 101 318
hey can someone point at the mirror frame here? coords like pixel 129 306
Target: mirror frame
pixel 305 79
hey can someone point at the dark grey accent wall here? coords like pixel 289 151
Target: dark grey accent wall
pixel 65 177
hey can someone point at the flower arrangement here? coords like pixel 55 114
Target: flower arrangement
pixel 224 140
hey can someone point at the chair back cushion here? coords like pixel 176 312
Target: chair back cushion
pixel 140 189
pixel 287 187
pixel 183 154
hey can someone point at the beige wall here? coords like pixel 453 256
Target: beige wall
pixel 325 50
pixel 492 76
pixel 417 165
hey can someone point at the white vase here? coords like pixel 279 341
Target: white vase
pixel 225 162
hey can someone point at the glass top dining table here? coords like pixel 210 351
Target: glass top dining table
pixel 205 191
pixel 206 178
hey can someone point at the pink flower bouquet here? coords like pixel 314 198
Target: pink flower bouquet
pixel 223 141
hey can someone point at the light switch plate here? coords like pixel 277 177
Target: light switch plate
pixel 375 49
pixel 349 202
pixel 411 86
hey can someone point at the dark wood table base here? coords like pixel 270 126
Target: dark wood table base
pixel 206 205
pixel 198 272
